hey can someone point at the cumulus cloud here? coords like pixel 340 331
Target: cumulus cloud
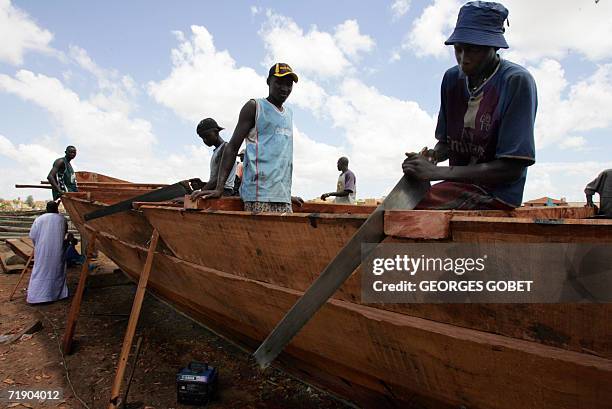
pixel 206 82
pixel 350 40
pixel 565 109
pixel 19 34
pixel 316 53
pixel 533 34
pixel 378 130
pixel 431 29
pixel 314 166
pixel 115 91
pixel 562 179
pixel 553 29
pixel 108 141
pixel 399 8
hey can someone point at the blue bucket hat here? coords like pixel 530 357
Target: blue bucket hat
pixel 480 23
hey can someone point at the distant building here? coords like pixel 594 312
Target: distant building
pixel 546 201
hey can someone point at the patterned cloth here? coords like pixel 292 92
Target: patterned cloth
pixel 267 207
pixel 460 196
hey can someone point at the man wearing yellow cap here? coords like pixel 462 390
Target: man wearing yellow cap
pixel 266 126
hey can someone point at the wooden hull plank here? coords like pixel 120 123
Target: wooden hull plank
pixel 456 365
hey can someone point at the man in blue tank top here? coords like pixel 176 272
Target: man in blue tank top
pixel 486 120
pixel 266 126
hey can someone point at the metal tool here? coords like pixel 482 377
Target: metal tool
pixel 405 195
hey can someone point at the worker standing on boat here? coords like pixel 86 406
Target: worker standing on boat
pixel 208 130
pixel 48 279
pixel 602 185
pixel 486 120
pixel 62 177
pixel 266 125
pixel 346 187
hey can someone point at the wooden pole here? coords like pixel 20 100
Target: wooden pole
pixel 25 268
pixel 134 315
pixel 75 305
pixel 2 266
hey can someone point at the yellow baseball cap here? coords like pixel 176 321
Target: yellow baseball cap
pixel 281 69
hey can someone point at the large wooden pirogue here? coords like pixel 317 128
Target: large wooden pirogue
pixel 238 274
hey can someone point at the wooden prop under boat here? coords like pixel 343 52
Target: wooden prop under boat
pixel 238 273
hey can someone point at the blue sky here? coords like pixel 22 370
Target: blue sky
pixel 127 82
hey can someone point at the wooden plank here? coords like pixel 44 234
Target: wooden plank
pixel 391 354
pixel 554 212
pixel 133 321
pixel 83 176
pixel 75 305
pixel 235 204
pixel 23 272
pixel 21 248
pixel 484 229
pixel 435 224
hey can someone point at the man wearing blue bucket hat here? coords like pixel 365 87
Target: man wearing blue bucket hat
pixel 486 120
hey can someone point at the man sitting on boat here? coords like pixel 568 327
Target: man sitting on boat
pixel 486 121
pixel 602 185
pixel 62 177
pixel 208 130
pixel 48 279
pixel 267 127
pixel 345 189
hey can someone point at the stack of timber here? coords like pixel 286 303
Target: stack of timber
pixel 238 273
pixel 18 223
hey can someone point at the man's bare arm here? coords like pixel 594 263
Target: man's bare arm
pixel 52 176
pixel 498 171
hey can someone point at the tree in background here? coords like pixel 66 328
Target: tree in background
pixel 30 201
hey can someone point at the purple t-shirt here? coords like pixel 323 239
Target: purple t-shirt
pixel 495 121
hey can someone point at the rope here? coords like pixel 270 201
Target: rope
pixel 59 346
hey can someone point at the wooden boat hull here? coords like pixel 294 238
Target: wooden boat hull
pixel 239 273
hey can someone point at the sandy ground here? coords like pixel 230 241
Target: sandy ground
pixel 170 341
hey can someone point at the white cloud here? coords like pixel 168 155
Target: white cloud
pixel 350 40
pixel 317 53
pixel 565 109
pixel 19 34
pixel 561 179
pixel 115 91
pixel 533 34
pixel 379 129
pixel 108 141
pixel 574 142
pixel 431 29
pixel 399 8
pixel 552 28
pixel 255 10
pixel 314 166
pixel 206 82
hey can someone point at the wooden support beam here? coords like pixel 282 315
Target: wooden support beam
pixel 3 266
pixel 25 268
pixel 134 315
pixel 75 305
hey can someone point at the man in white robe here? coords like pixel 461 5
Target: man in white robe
pixel 48 280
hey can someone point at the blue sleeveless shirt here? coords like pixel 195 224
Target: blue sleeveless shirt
pixel 268 158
